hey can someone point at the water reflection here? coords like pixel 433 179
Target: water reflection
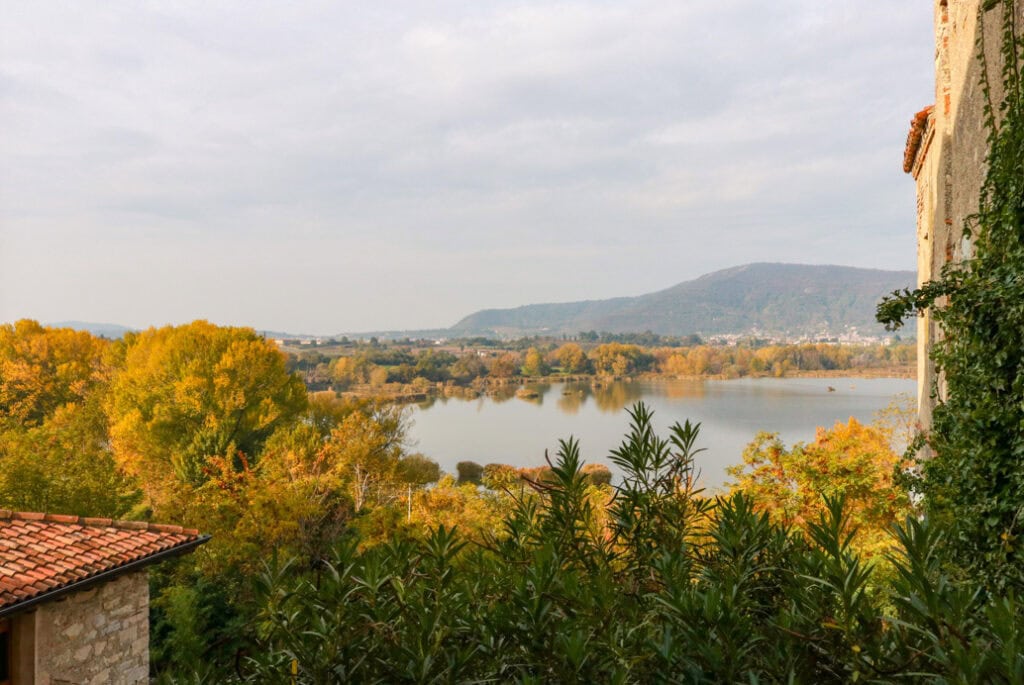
pixel 572 398
pixel 611 396
pixel 503 393
pixel 533 392
pixel 732 412
pixel 680 389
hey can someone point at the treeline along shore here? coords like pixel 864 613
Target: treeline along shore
pixel 415 370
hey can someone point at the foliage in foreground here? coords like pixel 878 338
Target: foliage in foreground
pixel 674 588
pixel 849 460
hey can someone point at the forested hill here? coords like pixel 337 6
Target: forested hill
pixel 792 299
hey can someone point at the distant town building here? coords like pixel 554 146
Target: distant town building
pixel 74 596
pixel 945 152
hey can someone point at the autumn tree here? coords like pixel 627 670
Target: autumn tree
pixel 477 513
pixel 468 367
pixel 572 359
pixel 194 392
pixel 348 371
pixel 534 364
pixel 54 448
pixel 417 469
pixel 42 369
pixel 64 465
pixel 616 359
pixel 505 366
pixel 676 364
pixel 367 447
pixel 597 474
pixel 849 460
pixel 497 476
pixel 314 476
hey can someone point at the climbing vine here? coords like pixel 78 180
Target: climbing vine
pixel 974 479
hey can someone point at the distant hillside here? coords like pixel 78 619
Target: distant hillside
pixel 781 299
pixel 106 330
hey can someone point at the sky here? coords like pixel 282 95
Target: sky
pixel 329 167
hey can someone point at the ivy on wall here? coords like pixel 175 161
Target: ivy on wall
pixel 974 480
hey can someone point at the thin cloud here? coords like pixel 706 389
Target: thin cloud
pixel 325 166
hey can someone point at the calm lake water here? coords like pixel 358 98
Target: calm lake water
pixel 516 431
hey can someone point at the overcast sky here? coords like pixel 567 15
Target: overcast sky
pixel 323 167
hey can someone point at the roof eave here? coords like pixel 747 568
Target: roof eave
pixel 102 576
pixel 918 138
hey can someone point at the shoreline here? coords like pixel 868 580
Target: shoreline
pixel 486 387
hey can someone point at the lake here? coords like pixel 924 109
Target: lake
pixel 510 430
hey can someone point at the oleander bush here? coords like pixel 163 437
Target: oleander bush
pixel 661 585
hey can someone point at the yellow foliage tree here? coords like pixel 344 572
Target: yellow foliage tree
pixel 42 369
pixel 617 359
pixel 534 364
pixel 314 477
pixel 476 513
pixel 191 393
pixel 367 447
pixel 54 447
pixel 676 365
pixel 572 358
pixel 64 466
pixel 349 371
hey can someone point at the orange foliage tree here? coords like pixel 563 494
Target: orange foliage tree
pixel 850 460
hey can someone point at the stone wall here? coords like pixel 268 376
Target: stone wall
pixel 950 169
pixel 99 635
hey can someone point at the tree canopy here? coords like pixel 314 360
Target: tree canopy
pixel 191 393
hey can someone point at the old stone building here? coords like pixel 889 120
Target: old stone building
pixel 74 597
pixel 946 150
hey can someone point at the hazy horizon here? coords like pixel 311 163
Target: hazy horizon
pixel 319 168
pixel 97 325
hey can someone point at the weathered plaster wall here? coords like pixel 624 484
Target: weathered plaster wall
pixel 100 635
pixel 930 185
pixel 952 168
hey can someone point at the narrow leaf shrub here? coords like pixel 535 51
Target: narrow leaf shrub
pixel 658 585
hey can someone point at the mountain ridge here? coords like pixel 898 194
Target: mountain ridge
pixel 765 298
pixel 768 297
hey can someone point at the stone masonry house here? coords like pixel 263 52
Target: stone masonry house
pixel 945 153
pixel 74 596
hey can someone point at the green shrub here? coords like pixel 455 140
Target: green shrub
pixel 672 587
pixel 470 472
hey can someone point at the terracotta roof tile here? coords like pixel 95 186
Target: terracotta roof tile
pixel 45 553
pixel 917 128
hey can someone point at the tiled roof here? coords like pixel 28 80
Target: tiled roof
pixel 917 128
pixel 44 554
